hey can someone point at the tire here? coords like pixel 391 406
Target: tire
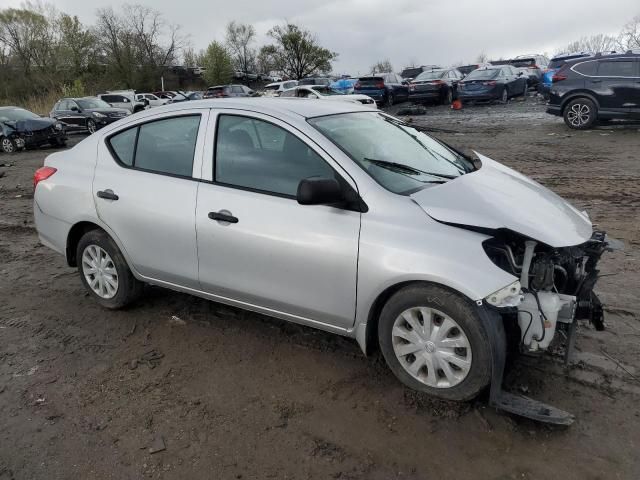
pixel 504 97
pixel 59 142
pixel 580 114
pixel 389 100
pixel 448 97
pixel 8 145
pixel 444 380
pixel 127 288
pixel 91 126
pixel 525 89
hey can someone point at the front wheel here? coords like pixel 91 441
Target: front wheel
pixel 104 271
pixel 580 114
pixel 91 126
pixel 433 341
pixel 8 145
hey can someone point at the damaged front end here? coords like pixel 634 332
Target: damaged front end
pixel 554 291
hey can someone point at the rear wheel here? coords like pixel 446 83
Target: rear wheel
pixel 104 271
pixel 448 97
pixel 525 89
pixel 580 114
pixel 390 99
pixel 504 98
pixel 433 341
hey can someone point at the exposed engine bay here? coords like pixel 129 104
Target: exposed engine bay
pixel 556 285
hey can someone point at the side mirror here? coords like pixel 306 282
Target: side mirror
pixel 75 109
pixel 319 191
pixel 145 101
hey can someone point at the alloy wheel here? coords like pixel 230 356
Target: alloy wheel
pixel 91 126
pixel 579 115
pixel 431 347
pixel 505 95
pixel 8 146
pixel 99 271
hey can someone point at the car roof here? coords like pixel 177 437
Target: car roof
pixel 273 106
pixel 11 107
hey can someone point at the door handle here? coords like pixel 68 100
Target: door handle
pixel 107 195
pixel 223 216
pixel 596 81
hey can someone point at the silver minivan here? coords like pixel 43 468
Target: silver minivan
pixel 335 216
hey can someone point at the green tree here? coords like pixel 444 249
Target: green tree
pixel 218 64
pixel 297 52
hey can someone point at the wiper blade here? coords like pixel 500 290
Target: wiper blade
pixel 406 168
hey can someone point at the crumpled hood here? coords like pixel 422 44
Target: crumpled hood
pixel 31 125
pixel 497 197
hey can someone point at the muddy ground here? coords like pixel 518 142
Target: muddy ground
pixel 228 394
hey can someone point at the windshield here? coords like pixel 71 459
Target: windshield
pixel 88 103
pixel 15 114
pixel 429 76
pixel 484 74
pixel 399 157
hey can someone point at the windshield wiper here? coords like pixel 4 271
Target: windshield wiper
pixel 407 169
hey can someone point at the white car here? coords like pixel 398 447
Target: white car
pixel 153 100
pixel 276 88
pixel 323 92
pixel 125 99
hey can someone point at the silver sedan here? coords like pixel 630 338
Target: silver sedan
pixel 331 215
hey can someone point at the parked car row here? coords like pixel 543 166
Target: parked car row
pixel 324 92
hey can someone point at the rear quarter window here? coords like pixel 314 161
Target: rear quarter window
pixel 618 68
pixel 586 68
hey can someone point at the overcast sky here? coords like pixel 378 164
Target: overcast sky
pixel 404 31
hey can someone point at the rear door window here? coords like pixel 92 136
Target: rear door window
pixel 617 68
pixel 163 146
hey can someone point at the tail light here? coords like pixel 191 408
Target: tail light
pixel 490 83
pixel 42 174
pixel 357 86
pixel 559 75
pixel 379 85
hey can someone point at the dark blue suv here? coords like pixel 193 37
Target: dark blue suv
pixel 601 87
pixel 385 88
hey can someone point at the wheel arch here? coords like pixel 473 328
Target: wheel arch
pixel 367 334
pixel 73 237
pixel 576 95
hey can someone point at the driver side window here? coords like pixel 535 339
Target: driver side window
pixel 258 155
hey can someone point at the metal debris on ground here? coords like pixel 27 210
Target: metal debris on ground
pixel 158 445
pixel 151 359
pixel 175 320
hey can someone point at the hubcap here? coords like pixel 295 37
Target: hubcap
pixel 100 271
pixel 579 114
pixel 7 145
pixel 431 347
pixel 91 126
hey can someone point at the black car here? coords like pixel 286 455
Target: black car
pixel 315 81
pixel 87 113
pixel 20 128
pixel 492 83
pixel 435 85
pixel 601 87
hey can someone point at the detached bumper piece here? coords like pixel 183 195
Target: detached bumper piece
pixel 510 402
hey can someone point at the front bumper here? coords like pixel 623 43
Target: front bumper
pixel 39 138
